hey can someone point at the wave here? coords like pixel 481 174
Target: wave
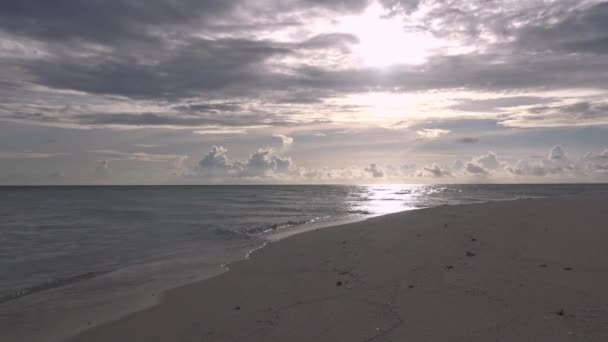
pixel 47 286
pixel 359 212
pixel 278 226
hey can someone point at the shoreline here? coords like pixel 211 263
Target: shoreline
pixel 115 309
pixel 268 241
pixel 120 328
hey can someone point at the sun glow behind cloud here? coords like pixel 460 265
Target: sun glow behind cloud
pixel 385 40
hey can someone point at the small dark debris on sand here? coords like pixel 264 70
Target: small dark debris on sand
pixel 338 283
pixel 411 286
pixel 470 254
pixel 237 308
pixel 560 312
pixel 449 267
pixel 567 268
pixel 445 225
pixel 543 265
pixel 473 239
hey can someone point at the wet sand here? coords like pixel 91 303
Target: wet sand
pixel 525 270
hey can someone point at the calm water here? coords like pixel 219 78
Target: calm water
pixel 52 237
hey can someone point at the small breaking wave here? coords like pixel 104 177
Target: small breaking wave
pixel 47 286
pixel 283 225
pixel 359 212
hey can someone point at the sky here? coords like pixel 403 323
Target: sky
pixel 303 91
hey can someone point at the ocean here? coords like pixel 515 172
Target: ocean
pixel 115 248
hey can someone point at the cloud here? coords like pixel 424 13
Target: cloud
pixel 583 113
pixel 264 163
pixel 375 170
pixel 595 163
pixel 431 133
pixel 435 171
pixel 171 120
pixel 220 131
pixel 582 30
pixel 175 162
pixel 95 21
pixel 29 155
pixel 261 164
pixel 138 20
pixel 491 105
pixel 489 161
pixel 201 65
pixel 490 71
pixel 329 40
pixel 216 163
pixel 142 156
pixel 215 63
pixel 285 140
pixel 481 165
pixel 476 169
pixel 556 163
pixel 468 140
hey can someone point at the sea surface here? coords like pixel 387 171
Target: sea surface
pixel 88 246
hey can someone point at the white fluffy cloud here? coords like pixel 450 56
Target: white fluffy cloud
pixel 556 163
pixel 216 163
pixel 594 163
pixel 262 163
pixel 476 169
pixel 481 165
pixel 266 164
pixel 488 161
pixel 285 140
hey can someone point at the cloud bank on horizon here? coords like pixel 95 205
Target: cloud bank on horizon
pixel 212 91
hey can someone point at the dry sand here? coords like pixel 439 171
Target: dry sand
pixel 526 270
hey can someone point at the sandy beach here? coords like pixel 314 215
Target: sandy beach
pixel 525 270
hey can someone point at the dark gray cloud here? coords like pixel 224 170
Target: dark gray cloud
pixel 120 20
pixel 194 65
pixel 101 21
pixel 436 171
pixel 155 119
pixel 468 140
pixel 160 51
pixel 202 65
pixel 484 72
pixel 210 107
pixel 375 170
pixel 580 31
pixel 579 113
pixel 579 110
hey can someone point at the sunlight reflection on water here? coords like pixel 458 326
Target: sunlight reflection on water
pixel 390 198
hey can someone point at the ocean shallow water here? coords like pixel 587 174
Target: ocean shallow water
pixel 106 250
